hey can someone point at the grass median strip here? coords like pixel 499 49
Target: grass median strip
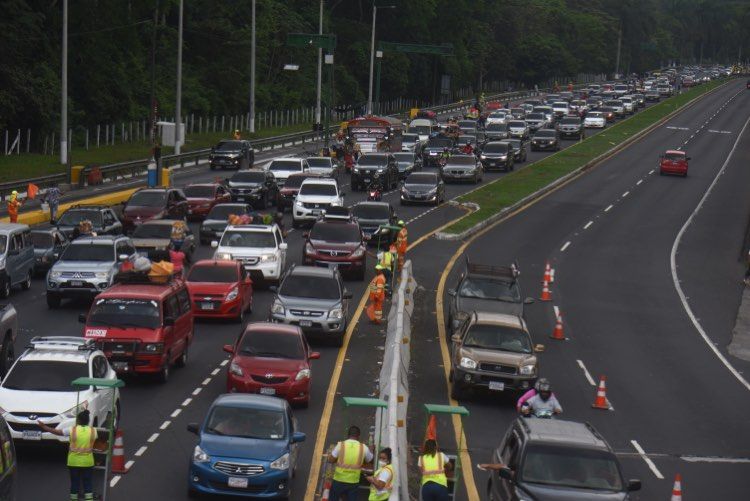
pixel 508 190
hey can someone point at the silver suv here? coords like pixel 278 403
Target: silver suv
pixel 87 267
pixel 315 299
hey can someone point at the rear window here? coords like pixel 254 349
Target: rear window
pixel 200 191
pixel 319 163
pixel 674 157
pixel 43 375
pixel 75 216
pixel 213 273
pixel 124 313
pixel 310 287
pixel 335 232
pixel 148 199
pixel 371 211
pixel 153 231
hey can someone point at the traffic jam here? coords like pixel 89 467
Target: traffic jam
pixel 280 252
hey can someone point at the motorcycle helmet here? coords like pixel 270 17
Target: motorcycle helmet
pixel 542 384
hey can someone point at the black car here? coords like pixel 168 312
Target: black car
pixel 256 187
pixel 232 153
pixel 407 162
pixel 373 218
pixel 434 149
pixel 571 127
pixel 423 187
pixel 103 219
pixel 217 220
pixel 48 245
pixel 545 139
pixel 519 149
pixel 497 155
pixel 375 167
pixel 494 132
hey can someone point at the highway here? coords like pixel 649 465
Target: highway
pixel 613 284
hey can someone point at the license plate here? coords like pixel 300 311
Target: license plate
pixel 497 386
pixel 241 199
pixel 76 283
pixel 31 435
pixel 240 483
pixel 493 163
pixel 367 180
pixel 119 366
pixel 268 391
pixel 316 212
pixel 305 323
pixel 207 306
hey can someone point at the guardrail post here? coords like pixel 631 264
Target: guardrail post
pixel 87 141
pixel 28 140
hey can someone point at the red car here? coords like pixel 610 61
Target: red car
pixel 220 289
pixel 202 198
pixel 271 359
pixel 674 162
pixel 147 204
pixel 337 240
pixel 289 191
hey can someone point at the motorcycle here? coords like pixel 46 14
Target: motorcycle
pixel 528 412
pixel 374 192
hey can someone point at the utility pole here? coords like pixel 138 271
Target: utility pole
pixel 372 58
pixel 619 46
pixel 320 69
pixel 178 105
pixel 64 89
pixel 251 122
pixel 152 93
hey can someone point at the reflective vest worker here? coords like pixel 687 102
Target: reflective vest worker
pixel 348 456
pixel 381 482
pixel 402 243
pixel 432 465
pixel 386 261
pixel 377 296
pixel 237 134
pixel 13 206
pixel 80 454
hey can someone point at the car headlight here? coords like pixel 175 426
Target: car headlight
pixel 336 314
pixel 359 252
pixel 235 369
pixel 468 363
pixel 232 295
pixel 268 258
pixel 52 274
pixel 303 374
pixel 297 203
pixel 102 275
pixel 282 463
pixel 73 411
pixel 356 170
pixel 381 170
pixel 200 456
pixel 483 157
pixel 152 348
pixel 277 309
pixel 528 370
pixel 309 249
pixel 225 256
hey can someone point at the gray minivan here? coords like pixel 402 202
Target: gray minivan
pixel 16 257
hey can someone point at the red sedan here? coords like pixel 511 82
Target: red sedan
pixel 271 359
pixel 220 289
pixel 674 162
pixel 202 198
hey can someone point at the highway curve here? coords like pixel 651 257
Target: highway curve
pixel 609 235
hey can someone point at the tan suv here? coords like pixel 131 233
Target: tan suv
pixel 493 351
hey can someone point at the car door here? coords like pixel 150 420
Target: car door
pixel 60 243
pixel 15 258
pixel 282 252
pixel 172 344
pixel 181 203
pixel 27 253
pixel 502 489
pixel 222 196
pixel 246 286
pixel 184 322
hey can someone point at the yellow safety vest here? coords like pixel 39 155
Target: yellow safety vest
pixel 80 453
pixel 433 469
pixel 387 260
pixel 385 493
pixel 349 462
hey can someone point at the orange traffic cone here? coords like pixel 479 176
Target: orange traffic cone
pixel 326 490
pixel 547 274
pixel 558 332
pixel 677 489
pixel 546 293
pixel 118 455
pixel 601 395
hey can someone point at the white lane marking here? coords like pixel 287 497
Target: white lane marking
pixel 625 194
pixel 114 480
pixel 567 244
pixel 647 460
pixel 586 373
pixel 588 225
pixel 677 128
pixel 206 381
pixel 176 413
pixel 654 170
pixel 676 281
pixel 639 182
pixel 186 402
pixel 720 131
pixel 140 451
pixel 197 391
pixel 710 459
pixel 215 372
pixel 129 464
pixel 152 438
pixel 224 362
pixel 165 425
pixel 608 208
pixel 557 311
pixel 552 275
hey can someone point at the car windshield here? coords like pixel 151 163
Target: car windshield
pixel 249 176
pixel 285 165
pixel 310 287
pixel 153 231
pixel 595 114
pixel 199 191
pixel 674 157
pixel 335 232
pixel 229 146
pixel 497 128
pixel 44 375
pixel 535 116
pixel 440 142
pixel 3 243
pixel 272 345
pixel 574 468
pixel 124 313
pixel 496 148
pixel 545 133
pixel 404 157
pixel 560 105
pixel 222 212
pixel 409 138
pixel 89 252
pixel 486 288
pixel 255 239
pixel 42 240
pixel 570 121
pixel 148 199
pixel 496 114
pixel 318 189
pixel 371 211
pixel 422 178
pixel 246 422
pixel 213 274
pixel 497 337
pixel 517 124
pixel 367 160
pixel 614 103
pixel 75 216
pixel 319 163
pixel 421 129
pixel 462 160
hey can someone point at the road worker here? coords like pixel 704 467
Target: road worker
pixel 348 456
pixel 237 134
pixel 13 205
pixel 377 296
pixel 381 481
pixel 402 243
pixel 386 261
pixel 433 465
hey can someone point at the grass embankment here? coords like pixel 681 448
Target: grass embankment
pixel 25 166
pixel 510 189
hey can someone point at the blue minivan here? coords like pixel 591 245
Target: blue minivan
pixel 247 446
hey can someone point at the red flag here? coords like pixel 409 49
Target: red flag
pixel 32 190
pixel 431 433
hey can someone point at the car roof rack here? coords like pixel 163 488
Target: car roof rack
pixel 69 343
pixel 508 272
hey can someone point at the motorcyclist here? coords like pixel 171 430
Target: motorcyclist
pixel 542 403
pixel 445 155
pixel 533 391
pixel 467 149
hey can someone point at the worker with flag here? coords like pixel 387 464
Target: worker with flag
pixel 402 243
pixel 13 205
pixel 377 296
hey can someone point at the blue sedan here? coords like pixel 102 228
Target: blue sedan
pixel 247 446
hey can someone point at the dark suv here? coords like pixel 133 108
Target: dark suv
pixel 336 240
pixel 257 187
pixel 571 127
pixel 233 153
pixel 154 203
pixel 557 460
pixel 372 167
pixel 103 220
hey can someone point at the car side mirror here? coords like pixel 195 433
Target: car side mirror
pixel 306 234
pixel 314 355
pixel 298 437
pixel 687 158
pixel 506 473
pixel 452 292
pixel 192 428
pixel 168 321
pixel 82 318
pixel 456 338
pixel 347 295
pixel 214 244
pixel 342 194
pixel 529 300
pixel 283 246
pixel 634 485
pixel 229 348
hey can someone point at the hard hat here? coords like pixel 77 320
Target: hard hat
pixel 379 267
pixel 401 222
pixel 14 192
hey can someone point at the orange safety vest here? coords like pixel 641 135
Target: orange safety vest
pixel 402 240
pixel 377 287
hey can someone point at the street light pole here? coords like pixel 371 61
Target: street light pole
pixel 251 122
pixel 372 58
pixel 178 104
pixel 320 68
pixel 64 89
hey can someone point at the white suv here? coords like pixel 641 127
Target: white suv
pixel 38 387
pixel 259 247
pixel 314 197
pixel 283 167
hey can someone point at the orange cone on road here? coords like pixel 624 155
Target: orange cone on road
pixel 547 274
pixel 118 455
pixel 601 395
pixel 326 490
pixel 558 332
pixel 546 293
pixel 677 489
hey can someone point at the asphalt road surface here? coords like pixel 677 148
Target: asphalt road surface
pixel 154 416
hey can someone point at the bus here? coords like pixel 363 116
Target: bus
pixel 375 133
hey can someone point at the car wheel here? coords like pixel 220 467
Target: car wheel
pixel 7 355
pixel 53 301
pixel 26 284
pixel 5 290
pixel 183 360
pixel 240 318
pixel 304 404
pixel 457 391
pixel 164 372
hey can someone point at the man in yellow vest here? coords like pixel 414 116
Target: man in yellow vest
pixel 386 261
pixel 381 481
pixel 348 456
pixel 402 243
pixel 433 464
pixel 80 454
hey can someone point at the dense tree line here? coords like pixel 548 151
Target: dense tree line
pixel 524 41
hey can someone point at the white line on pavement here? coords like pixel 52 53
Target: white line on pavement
pixel 567 244
pixel 224 362
pixel 639 182
pixel 625 194
pixel 152 438
pixel 206 381
pixel 129 464
pixel 608 208
pixel 197 390
pixel 587 225
pixel 215 372
pixel 586 373
pixel 176 413
pixel 654 170
pixel 557 311
pixel 710 459
pixel 165 425
pixel 186 402
pixel 140 451
pixel 647 460
pixel 114 480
